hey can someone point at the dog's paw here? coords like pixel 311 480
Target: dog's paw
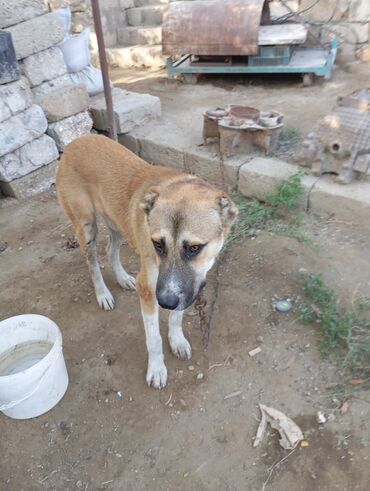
pixel 128 282
pixel 105 299
pixel 180 346
pixel 156 376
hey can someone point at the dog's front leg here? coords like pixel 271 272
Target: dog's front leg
pixel 179 344
pixel 157 372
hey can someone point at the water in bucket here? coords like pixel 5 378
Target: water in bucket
pixel 23 356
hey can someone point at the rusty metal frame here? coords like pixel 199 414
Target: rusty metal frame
pixel 112 130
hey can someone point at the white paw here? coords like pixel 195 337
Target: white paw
pixel 127 281
pixel 156 376
pixel 105 299
pixel 180 346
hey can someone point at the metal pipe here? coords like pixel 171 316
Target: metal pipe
pixel 112 131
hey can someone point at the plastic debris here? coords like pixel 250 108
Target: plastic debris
pixel 119 393
pixel 233 394
pixel 254 351
pixel 305 443
pixel 290 432
pixel 200 376
pixel 321 417
pixel 283 306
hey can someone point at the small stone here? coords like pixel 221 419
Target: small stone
pixel 79 484
pixel 191 368
pixel 200 376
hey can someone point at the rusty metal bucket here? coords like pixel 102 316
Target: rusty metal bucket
pixel 213 27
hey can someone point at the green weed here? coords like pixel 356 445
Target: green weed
pixel 345 332
pixel 278 212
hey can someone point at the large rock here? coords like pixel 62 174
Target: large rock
pixel 14 98
pixel 130 109
pixel 28 158
pixel 21 129
pixel 37 34
pixel 43 66
pixel 15 11
pixel 65 102
pixel 67 130
pixel 57 83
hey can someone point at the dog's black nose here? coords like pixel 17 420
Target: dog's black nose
pixel 169 302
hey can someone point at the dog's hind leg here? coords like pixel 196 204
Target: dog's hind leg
pixel 86 236
pixel 123 278
pixel 180 346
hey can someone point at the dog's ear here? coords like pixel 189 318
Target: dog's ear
pixel 148 200
pixel 228 210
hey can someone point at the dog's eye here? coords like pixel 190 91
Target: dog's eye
pixel 159 246
pixel 193 250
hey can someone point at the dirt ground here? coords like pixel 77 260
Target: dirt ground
pixel 186 436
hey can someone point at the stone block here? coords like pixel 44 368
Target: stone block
pixel 14 98
pixel 43 66
pixel 65 102
pixel 67 130
pixel 130 142
pixel 15 11
pixel 131 110
pixel 38 34
pixel 359 10
pixel 74 5
pixel 348 33
pixel 34 183
pixel 21 129
pixel 349 203
pixel 57 83
pixel 156 153
pixel 325 11
pixel 231 167
pixel 145 16
pixel 205 165
pixel 26 159
pixel 262 174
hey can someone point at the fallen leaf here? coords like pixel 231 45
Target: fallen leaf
pixel 356 381
pixel 290 432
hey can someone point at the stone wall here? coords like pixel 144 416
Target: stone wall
pixel 349 20
pixel 112 14
pixel 42 111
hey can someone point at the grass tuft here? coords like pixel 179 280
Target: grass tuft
pixel 345 332
pixel 278 212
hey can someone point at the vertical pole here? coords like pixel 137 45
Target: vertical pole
pixel 112 131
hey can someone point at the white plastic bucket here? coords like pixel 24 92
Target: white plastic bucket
pixel 33 374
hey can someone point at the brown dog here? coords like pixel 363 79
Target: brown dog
pixel 176 222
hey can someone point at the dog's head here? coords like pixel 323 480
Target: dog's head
pixel 188 222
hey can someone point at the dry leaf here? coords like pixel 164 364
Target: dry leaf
pixel 344 407
pixel 356 381
pixel 290 432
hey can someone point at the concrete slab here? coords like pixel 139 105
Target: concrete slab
pixel 262 174
pixel 130 108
